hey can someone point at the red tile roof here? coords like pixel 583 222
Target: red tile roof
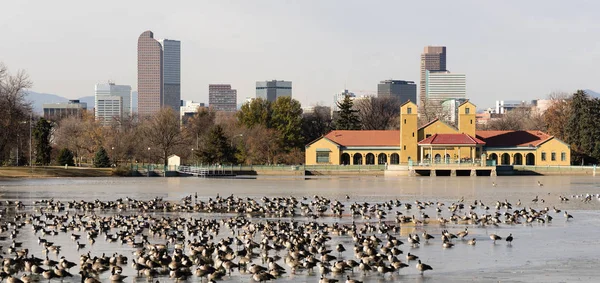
pixel 365 138
pixel 513 138
pixel 450 139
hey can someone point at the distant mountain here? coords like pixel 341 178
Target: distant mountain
pixel 90 100
pixel 592 93
pixel 38 99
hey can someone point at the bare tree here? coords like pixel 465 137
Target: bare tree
pixel 378 113
pixel 121 138
pixel 14 110
pixel 162 132
pixel 432 109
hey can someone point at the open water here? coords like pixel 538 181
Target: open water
pixel 558 251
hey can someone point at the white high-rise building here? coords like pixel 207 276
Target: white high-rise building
pixel 112 101
pixel 443 85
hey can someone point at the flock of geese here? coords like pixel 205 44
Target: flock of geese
pixel 261 238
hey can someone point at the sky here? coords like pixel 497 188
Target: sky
pixel 509 50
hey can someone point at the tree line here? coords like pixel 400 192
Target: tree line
pixel 261 132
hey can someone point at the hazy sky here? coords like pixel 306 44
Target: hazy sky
pixel 508 50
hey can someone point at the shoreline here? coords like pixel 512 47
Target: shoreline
pixel 77 172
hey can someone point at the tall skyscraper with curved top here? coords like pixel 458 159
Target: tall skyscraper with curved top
pixel 159 74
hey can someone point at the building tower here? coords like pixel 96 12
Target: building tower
pixel 112 101
pixel 433 58
pixel 403 90
pixel 271 90
pixel 466 118
pixel 222 98
pixel 150 79
pixel 171 73
pixel 408 132
pixel 159 74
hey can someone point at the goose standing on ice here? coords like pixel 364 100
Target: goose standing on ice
pixel 423 267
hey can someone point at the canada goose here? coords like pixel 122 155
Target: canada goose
pixel 463 234
pixel 472 242
pixel 348 280
pixel 494 184
pixel 262 276
pixel 540 184
pixel 495 237
pixel 115 277
pixel 509 239
pixel 11 279
pixel 447 245
pixel 410 257
pixel 61 273
pixel 423 267
pixel 85 278
pixel 327 280
pixel 427 237
pixel 568 216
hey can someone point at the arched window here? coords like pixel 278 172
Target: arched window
pixel 518 159
pixel 345 159
pixel 505 159
pixel 395 158
pixel 370 159
pixel 357 160
pixel 382 158
pixel 530 159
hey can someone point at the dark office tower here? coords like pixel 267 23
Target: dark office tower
pixel 432 59
pixel 403 90
pixel 171 73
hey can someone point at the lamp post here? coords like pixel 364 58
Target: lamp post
pixel 18 145
pixel 193 157
pixel 112 156
pixel 30 122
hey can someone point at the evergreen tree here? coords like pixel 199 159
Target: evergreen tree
pixel 216 148
pixel 347 118
pixel 101 159
pixel 41 136
pixel 582 130
pixel 65 157
pixel 286 118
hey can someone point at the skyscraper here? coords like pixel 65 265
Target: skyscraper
pixel 433 58
pixel 150 79
pixel 159 74
pixel 112 101
pixel 403 90
pixel 171 73
pixel 271 90
pixel 444 85
pixel 222 98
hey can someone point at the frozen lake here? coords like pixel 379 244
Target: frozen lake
pixel 556 251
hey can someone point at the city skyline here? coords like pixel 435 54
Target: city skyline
pixel 538 50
